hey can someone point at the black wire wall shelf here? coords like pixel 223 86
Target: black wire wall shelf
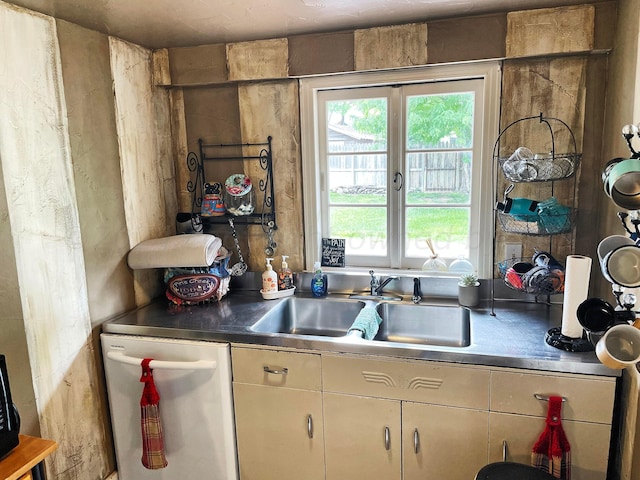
pixel 266 216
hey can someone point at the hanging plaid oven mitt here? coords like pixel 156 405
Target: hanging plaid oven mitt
pixel 152 442
pixel 552 452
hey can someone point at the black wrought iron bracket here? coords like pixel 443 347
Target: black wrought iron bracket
pixel 211 152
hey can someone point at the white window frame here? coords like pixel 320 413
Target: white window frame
pixel 482 210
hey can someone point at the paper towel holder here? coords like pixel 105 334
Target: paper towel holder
pixel 555 338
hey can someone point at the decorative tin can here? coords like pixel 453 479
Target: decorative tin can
pixel 212 203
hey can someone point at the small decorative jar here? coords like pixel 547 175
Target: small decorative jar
pixel 239 196
pixel 212 203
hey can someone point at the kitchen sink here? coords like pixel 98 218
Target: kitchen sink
pixel 310 316
pixel 424 324
pixel 445 325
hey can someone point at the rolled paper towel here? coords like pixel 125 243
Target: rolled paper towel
pixel 195 250
pixel 367 322
pixel 576 290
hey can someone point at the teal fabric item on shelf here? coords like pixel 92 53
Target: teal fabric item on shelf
pixel 367 322
pixel 553 217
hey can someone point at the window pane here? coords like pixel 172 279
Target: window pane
pixel 438 177
pixel 442 121
pixel 360 179
pixel 357 125
pixel 364 228
pixel 448 228
pixel 399 150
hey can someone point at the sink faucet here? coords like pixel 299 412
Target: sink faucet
pixel 377 285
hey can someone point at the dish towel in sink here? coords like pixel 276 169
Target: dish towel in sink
pixel 367 322
pixel 552 452
pixel 153 456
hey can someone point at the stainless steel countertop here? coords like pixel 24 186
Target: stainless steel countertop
pixel 514 337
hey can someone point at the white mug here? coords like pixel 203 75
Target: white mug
pixel 619 347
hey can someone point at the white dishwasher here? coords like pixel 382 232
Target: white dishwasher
pixel 193 379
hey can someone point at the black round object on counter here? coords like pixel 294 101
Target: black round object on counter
pixel 596 315
pixel 555 338
pixel 511 471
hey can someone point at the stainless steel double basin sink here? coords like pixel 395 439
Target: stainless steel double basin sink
pixel 446 325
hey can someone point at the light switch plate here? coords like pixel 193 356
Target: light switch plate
pixel 512 251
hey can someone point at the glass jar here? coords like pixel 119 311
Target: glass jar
pixel 239 196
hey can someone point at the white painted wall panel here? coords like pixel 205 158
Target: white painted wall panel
pixel 38 179
pixel 148 173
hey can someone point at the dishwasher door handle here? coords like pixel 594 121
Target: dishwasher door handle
pixel 162 364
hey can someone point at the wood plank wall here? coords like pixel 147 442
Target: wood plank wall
pixel 45 228
pixel 541 74
pixel 84 179
pixel 72 202
pixel 148 173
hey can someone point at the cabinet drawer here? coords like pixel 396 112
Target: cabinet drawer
pixel 428 382
pixel 588 399
pixel 302 369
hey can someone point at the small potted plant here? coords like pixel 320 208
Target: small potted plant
pixel 469 290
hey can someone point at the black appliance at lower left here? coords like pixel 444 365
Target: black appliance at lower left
pixel 9 418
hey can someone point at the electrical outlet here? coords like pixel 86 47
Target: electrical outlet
pixel 512 251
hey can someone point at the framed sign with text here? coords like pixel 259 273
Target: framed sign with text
pixel 333 252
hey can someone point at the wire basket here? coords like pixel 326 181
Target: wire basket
pixel 537 223
pixel 540 168
pixel 522 275
pixel 523 165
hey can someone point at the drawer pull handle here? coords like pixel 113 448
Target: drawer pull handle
pixel 545 398
pixel 504 450
pixel 416 441
pixel 387 438
pixel 310 426
pixel 284 371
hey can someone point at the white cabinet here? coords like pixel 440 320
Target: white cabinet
pixel 518 417
pixel 393 440
pixel 280 433
pixel 443 442
pixel 443 425
pixel 362 436
pixel 278 407
pixel 394 419
pixel 589 442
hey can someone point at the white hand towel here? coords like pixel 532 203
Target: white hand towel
pixel 190 250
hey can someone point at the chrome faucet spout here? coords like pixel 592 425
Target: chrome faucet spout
pixel 384 284
pixel 377 285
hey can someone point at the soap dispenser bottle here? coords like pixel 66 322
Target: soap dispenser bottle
pixel 269 279
pixel 319 281
pixel 285 278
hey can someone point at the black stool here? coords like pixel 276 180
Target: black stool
pixel 511 471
